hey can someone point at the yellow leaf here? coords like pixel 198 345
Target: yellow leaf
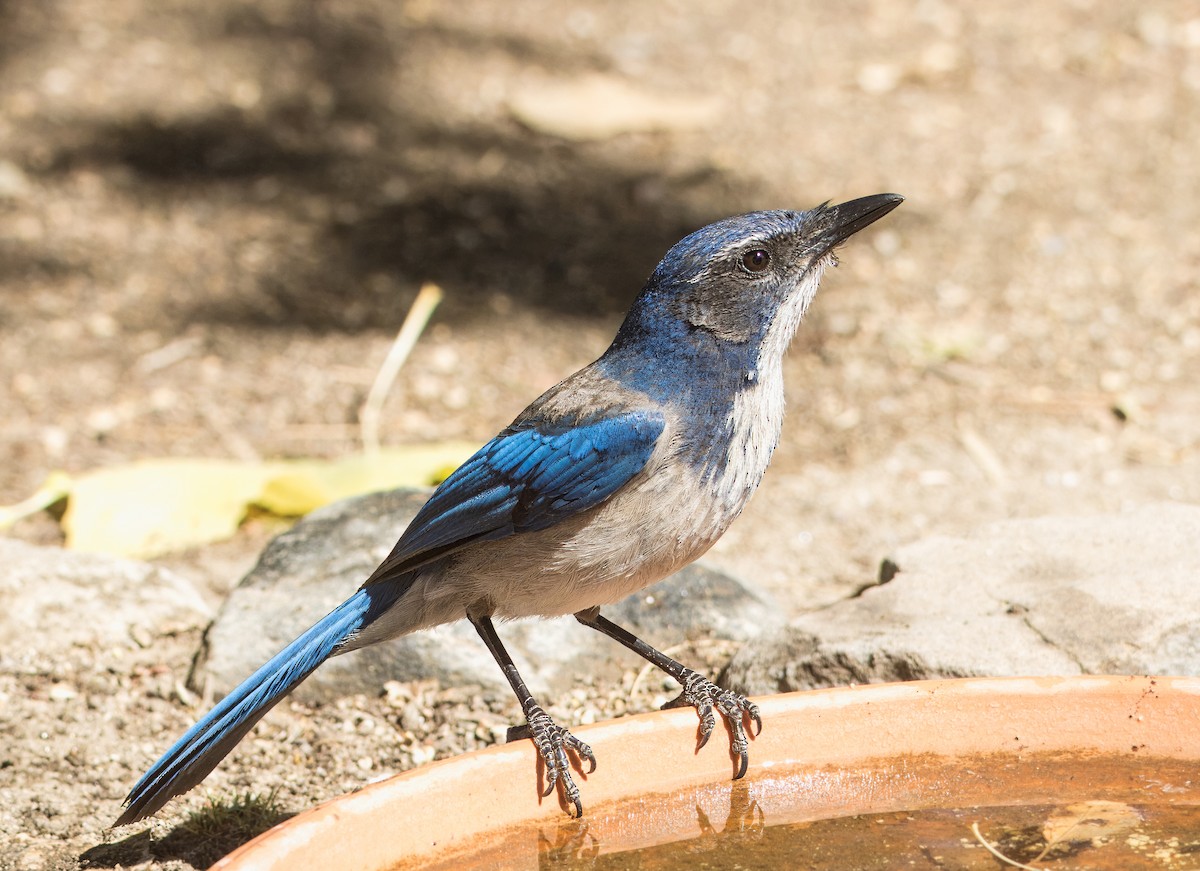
pixel 57 486
pixel 298 486
pixel 155 506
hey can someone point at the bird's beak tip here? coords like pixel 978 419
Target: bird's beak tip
pixel 850 217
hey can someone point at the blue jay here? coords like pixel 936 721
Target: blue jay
pixel 611 480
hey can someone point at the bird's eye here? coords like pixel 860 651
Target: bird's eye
pixel 756 260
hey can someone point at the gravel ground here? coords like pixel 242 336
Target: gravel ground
pixel 213 217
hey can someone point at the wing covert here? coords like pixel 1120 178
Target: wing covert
pixel 527 478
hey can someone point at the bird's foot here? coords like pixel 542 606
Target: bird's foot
pixel 704 695
pixel 552 742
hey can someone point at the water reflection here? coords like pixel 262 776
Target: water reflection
pixel 744 822
pixel 572 845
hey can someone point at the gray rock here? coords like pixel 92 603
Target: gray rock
pixel 52 600
pixel 318 563
pixel 1117 594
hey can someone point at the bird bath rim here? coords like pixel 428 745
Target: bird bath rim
pixel 431 810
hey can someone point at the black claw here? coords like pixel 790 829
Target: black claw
pixel 756 719
pixel 704 695
pixel 553 742
pixel 743 764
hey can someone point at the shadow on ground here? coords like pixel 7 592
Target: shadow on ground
pixel 481 208
pixel 200 845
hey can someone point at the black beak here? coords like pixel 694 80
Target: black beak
pixel 846 219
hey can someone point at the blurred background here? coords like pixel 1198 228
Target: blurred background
pixel 214 216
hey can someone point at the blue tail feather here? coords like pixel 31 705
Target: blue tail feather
pixel 204 745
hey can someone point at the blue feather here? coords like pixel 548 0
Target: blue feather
pixel 204 745
pixel 528 478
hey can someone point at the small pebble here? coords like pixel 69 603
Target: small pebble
pixel 61 692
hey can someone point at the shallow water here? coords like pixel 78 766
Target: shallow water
pixel 1099 836
pixel 1044 812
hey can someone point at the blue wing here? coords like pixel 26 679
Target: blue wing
pixel 529 477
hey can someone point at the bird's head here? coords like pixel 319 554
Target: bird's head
pixel 739 277
pixel 726 300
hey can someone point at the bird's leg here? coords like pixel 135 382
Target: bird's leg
pixel 552 740
pixel 698 691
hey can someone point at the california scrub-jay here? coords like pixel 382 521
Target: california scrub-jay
pixel 610 481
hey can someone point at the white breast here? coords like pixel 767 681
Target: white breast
pixel 755 423
pixel 756 419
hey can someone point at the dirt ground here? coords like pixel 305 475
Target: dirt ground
pixel 213 217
